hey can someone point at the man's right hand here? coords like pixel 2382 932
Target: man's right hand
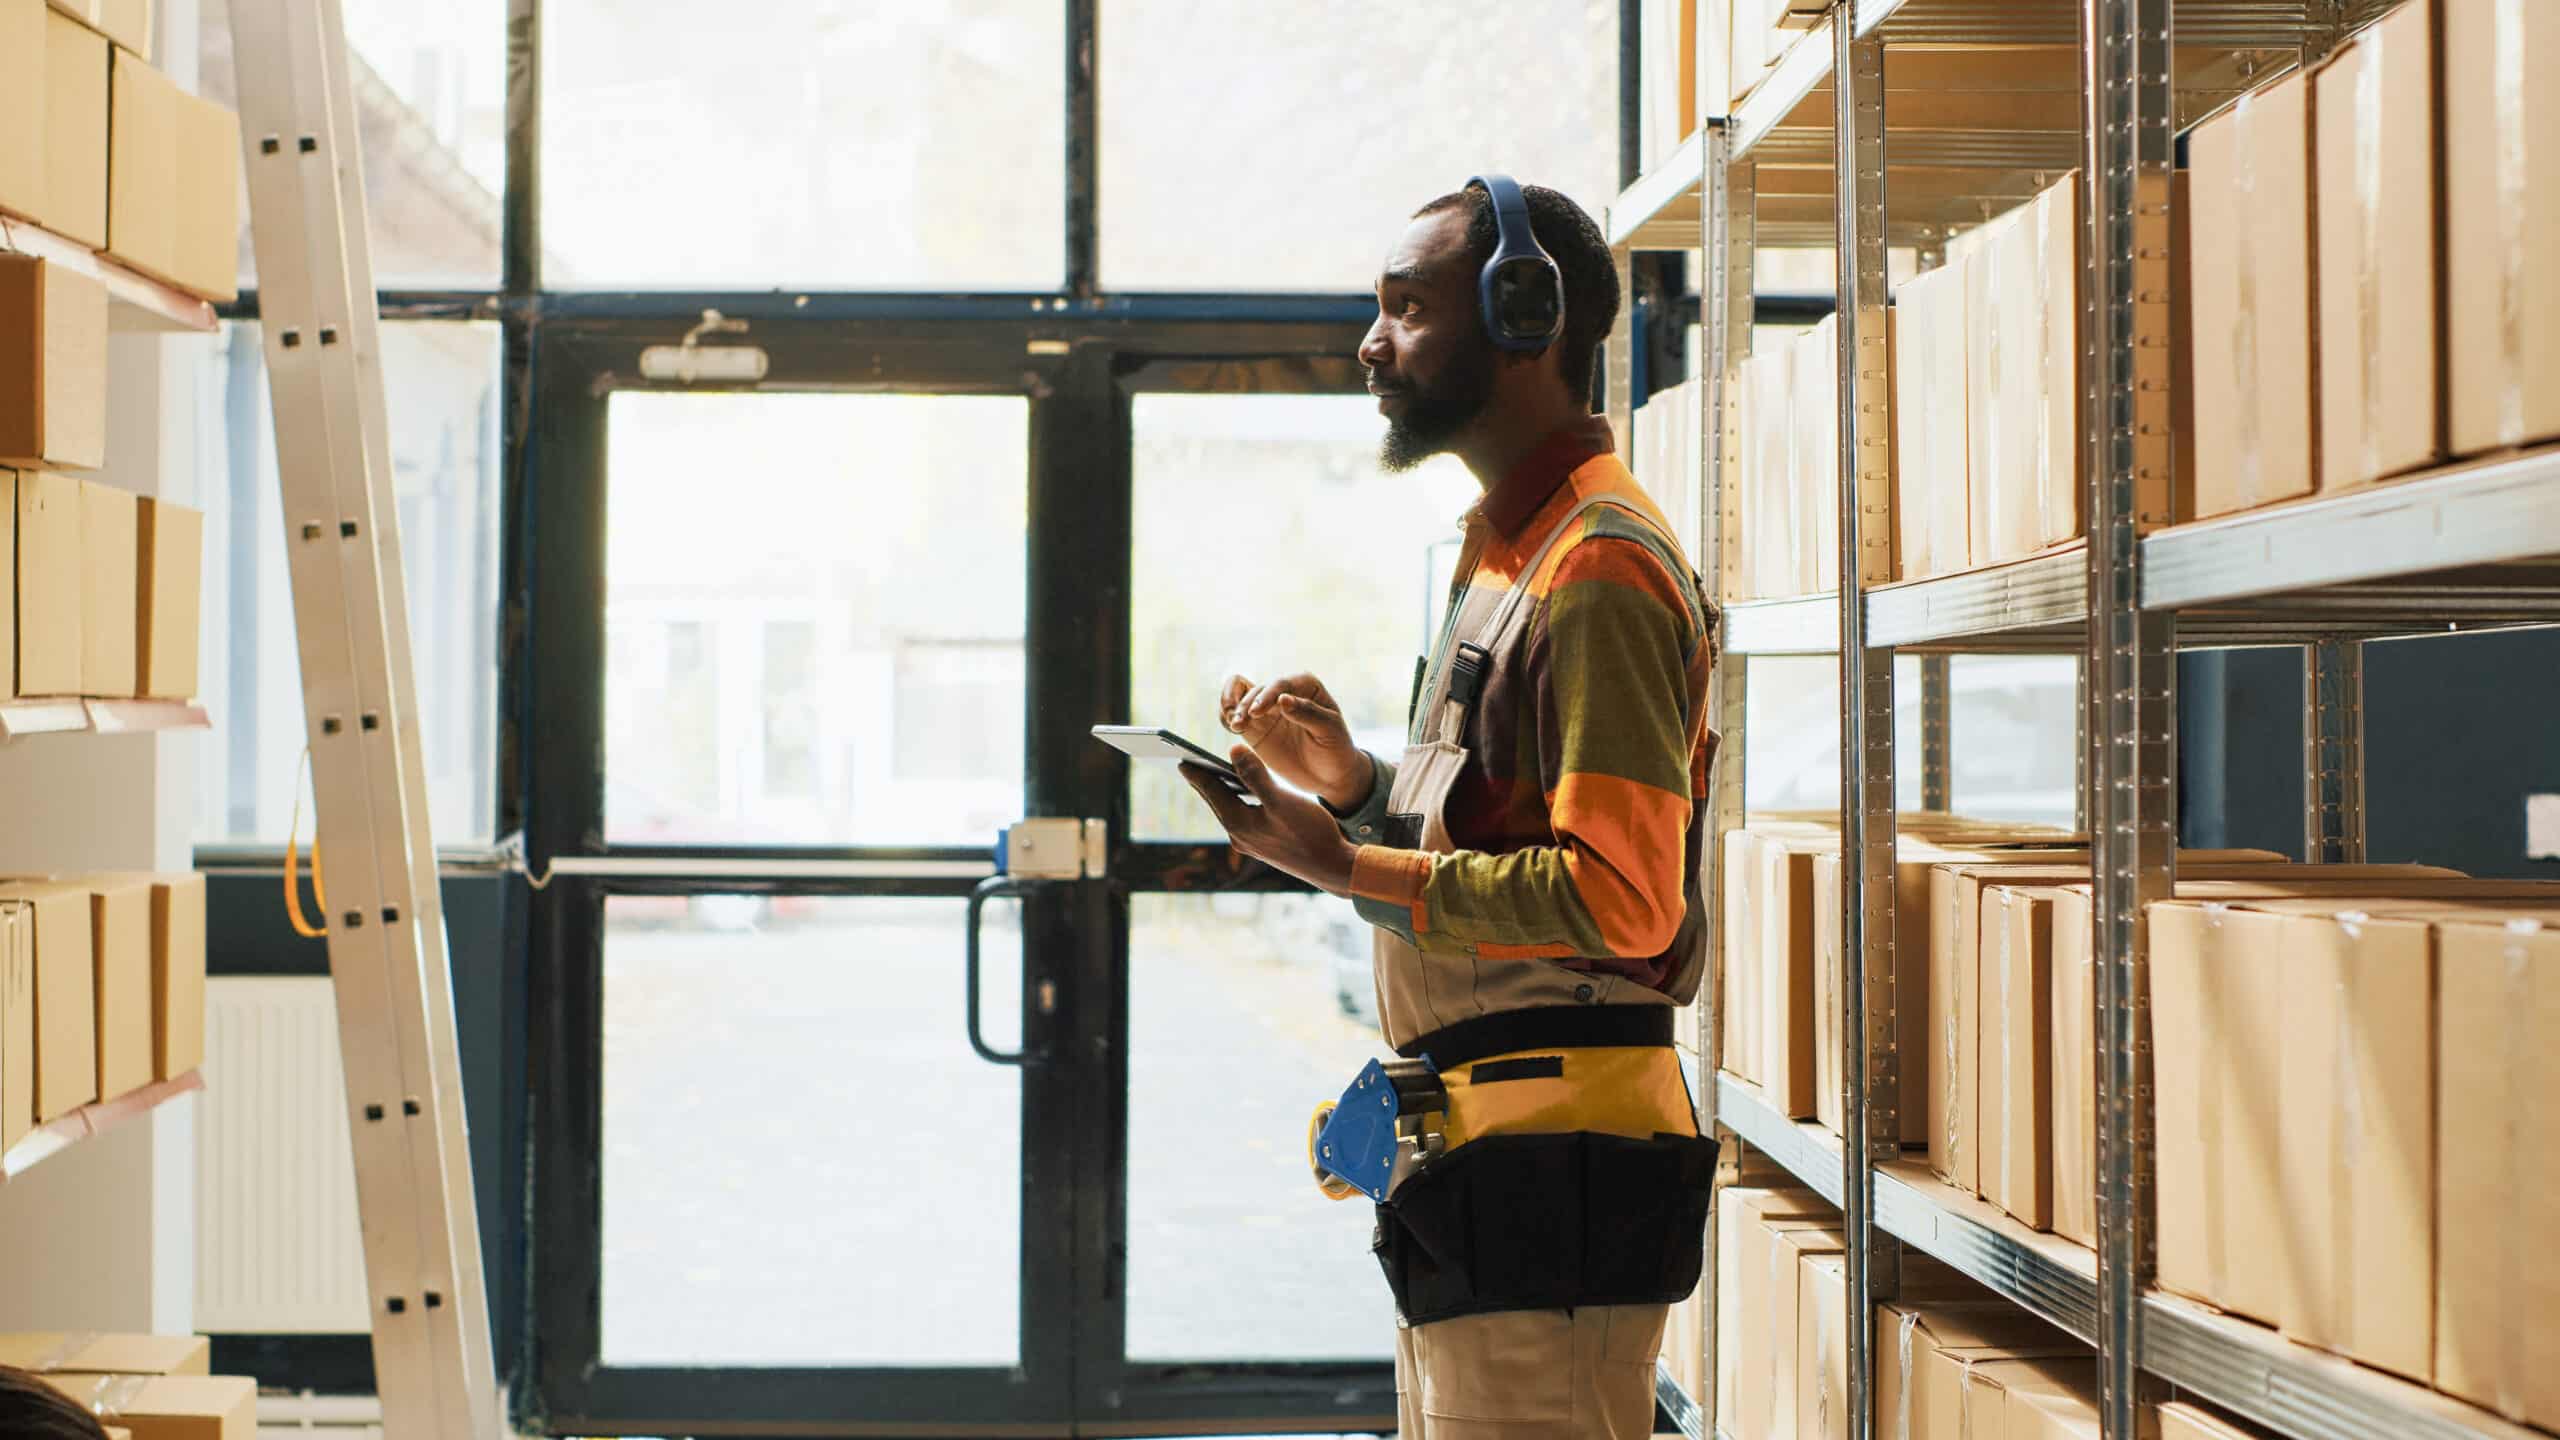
pixel 1297 729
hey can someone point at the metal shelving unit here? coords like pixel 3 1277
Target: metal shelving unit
pixel 2475 545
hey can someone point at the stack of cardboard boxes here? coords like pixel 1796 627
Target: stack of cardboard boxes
pixel 99 589
pixel 145 1387
pixel 101 991
pixel 2333 343
pixel 1670 462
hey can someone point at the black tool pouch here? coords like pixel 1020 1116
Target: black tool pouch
pixel 1540 1222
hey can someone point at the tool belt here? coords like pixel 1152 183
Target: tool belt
pixel 1541 1159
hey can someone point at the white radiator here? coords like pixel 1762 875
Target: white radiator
pixel 277 1248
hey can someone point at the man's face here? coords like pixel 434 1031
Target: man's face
pixel 1430 362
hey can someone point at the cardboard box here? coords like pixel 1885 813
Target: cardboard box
pixel 2068 1410
pixel 2183 1421
pixel 49 590
pixel 172 565
pixel 2501 193
pixel 17 1024
pixel 2016 1124
pixel 142 167
pixel 2356 1164
pixel 205 207
pixel 1822 1332
pixel 177 974
pixel 1769 503
pixel 57 1353
pixel 1910 976
pixel 2250 267
pixel 1783 911
pixel 66 1036
pixel 53 366
pixel 169 1407
pixel 75 133
pixel 2022 391
pixel 1924 1350
pixel 2380 286
pixel 1772 1300
pixel 120 942
pixel 8 583
pixel 2497 1194
pixel 1930 404
pixel 1740 992
pixel 1684 1343
pixel 1742 1212
pixel 1814 410
pixel 22 108
pixel 128 23
pixel 110 603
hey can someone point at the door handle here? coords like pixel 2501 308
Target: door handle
pixel 992 888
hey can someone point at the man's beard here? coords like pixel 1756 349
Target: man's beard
pixel 1435 414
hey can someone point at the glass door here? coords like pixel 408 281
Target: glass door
pixel 778 1187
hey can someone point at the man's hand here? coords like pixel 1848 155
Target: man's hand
pixel 1294 725
pixel 1289 833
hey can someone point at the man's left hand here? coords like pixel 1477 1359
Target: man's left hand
pixel 1289 832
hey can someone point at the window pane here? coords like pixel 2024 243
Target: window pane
pixel 442 379
pixel 1338 570
pixel 823 144
pixel 814 618
pixel 766 1185
pixel 431 105
pixel 1329 122
pixel 2011 733
pixel 1265 1002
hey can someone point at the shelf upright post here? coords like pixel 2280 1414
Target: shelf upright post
pixel 2333 753
pixel 1868 1026
pixel 416 1211
pixel 1936 705
pixel 1618 356
pixel 2132 745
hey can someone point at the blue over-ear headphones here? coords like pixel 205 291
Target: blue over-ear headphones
pixel 1520 290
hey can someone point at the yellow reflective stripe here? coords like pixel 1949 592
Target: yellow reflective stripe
pixel 1635 1091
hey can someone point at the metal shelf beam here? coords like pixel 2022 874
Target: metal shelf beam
pixel 1661 210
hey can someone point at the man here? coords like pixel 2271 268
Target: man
pixel 1532 863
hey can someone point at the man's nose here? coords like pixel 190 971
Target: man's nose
pixel 1375 352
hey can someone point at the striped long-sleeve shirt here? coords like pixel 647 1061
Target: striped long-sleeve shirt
pixel 1584 789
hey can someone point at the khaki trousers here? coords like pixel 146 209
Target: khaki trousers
pixel 1585 1374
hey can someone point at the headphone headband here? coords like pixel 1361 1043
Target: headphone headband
pixel 1520 291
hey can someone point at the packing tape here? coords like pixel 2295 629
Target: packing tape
pixel 108 1396
pixel 1964 1398
pixel 2347 1156
pixel 2244 313
pixel 2370 66
pixel 2214 992
pixel 60 1353
pixel 2507 92
pixel 1902 1367
pixel 2522 1077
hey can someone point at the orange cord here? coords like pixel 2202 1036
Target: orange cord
pixel 302 926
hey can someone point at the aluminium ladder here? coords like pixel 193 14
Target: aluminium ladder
pixel 432 1354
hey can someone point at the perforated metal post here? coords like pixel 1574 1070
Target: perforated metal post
pixel 2333 753
pixel 1937 703
pixel 387 961
pixel 2131 773
pixel 1869 1070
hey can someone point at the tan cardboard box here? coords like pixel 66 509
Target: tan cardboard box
pixel 1769 509
pixel 75 133
pixel 1814 407
pixel 2049 326
pixel 2356 1164
pixel 110 604
pixel 1999 1395
pixel 8 584
pixel 57 1352
pixel 2501 197
pixel 53 366
pixel 17 1024
pixel 1741 1212
pixel 1929 409
pixel 49 590
pixel 128 23
pixel 1684 1343
pixel 1925 1349
pixel 2021 387
pixel 205 209
pixel 2074 1016
pixel 1784 910
pixel 2017 1053
pixel 2381 289
pixel 120 941
pixel 2182 1421
pixel 66 1037
pixel 1822 1332
pixel 2498 1163
pixel 2249 228
pixel 169 1407
pixel 1741 994
pixel 142 167
pixel 2069 1410
pixel 172 565
pixel 22 108
pixel 1910 976
pixel 1772 1292
pixel 177 974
